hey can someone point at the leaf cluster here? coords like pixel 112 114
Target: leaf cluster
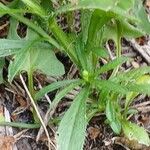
pixel 101 20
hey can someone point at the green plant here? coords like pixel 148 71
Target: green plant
pixel 100 21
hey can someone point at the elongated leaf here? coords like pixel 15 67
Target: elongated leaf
pixel 104 5
pixel 145 79
pixel 111 115
pixel 101 52
pixel 12 44
pixel 140 88
pixel 134 132
pixel 96 24
pixel 2 62
pixel 85 22
pixel 132 75
pixel 35 7
pixel 109 6
pixel 109 85
pixel 53 87
pixel 111 65
pixel 63 92
pixel 72 128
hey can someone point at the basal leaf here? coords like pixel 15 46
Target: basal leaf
pixel 144 79
pixel 8 47
pixel 72 128
pixel 63 92
pixel 31 59
pixel 36 59
pixel 111 65
pixel 134 132
pixel 109 85
pixel 85 17
pixel 53 86
pixel 111 115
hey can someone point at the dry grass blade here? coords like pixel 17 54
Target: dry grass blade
pixel 38 114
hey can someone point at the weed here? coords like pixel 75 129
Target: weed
pixel 101 20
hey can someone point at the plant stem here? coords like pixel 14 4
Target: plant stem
pixel 118 47
pixel 66 42
pixel 30 83
pixel 20 125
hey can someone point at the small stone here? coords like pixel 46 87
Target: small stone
pixel 135 64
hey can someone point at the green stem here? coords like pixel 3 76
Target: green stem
pixel 20 125
pixel 31 90
pixel 63 39
pixel 29 125
pixel 118 47
pixel 30 83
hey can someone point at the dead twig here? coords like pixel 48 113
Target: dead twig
pixel 38 114
pixel 143 50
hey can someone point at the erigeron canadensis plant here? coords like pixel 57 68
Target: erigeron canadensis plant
pixel 101 20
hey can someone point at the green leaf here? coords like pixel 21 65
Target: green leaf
pixel 96 24
pixel 111 115
pixel 35 7
pixel 112 64
pixel 8 47
pixel 72 128
pixel 100 52
pixel 134 132
pixel 2 62
pixel 140 13
pixel 31 59
pixel 53 86
pixel 144 79
pixel 64 91
pixel 104 5
pixel 31 25
pixel 108 6
pixel 85 22
pixel 131 75
pixel 109 85
pixel 140 88
pixel 126 5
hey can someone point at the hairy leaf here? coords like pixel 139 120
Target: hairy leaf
pixel 111 115
pixel 63 92
pixel 53 86
pixel 72 128
pixel 134 132
pixel 109 85
pixel 31 59
pixel 145 79
pixel 111 65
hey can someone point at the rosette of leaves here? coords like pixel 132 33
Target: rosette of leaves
pixel 101 20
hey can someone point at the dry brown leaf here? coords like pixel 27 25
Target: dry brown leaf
pixel 93 132
pixel 133 145
pixel 21 101
pixel 147 3
pixel 6 142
